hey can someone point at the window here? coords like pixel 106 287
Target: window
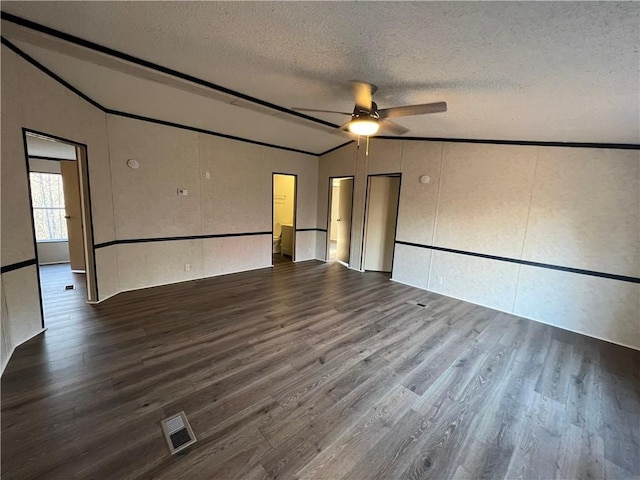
pixel 48 206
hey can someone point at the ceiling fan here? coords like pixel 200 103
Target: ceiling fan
pixel 366 118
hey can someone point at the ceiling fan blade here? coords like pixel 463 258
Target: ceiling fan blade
pixel 363 94
pixel 317 111
pixel 392 127
pixel 344 131
pixel 413 110
pixel 345 127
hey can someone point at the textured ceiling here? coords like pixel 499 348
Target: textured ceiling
pixel 542 71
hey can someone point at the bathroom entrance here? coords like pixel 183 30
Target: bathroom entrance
pixel 284 217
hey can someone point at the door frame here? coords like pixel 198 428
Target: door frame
pixel 295 211
pixel 366 215
pixel 330 198
pixel 82 163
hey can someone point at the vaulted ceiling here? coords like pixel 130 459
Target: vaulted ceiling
pixel 532 71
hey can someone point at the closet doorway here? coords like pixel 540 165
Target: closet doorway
pixel 381 215
pixel 283 213
pixel 339 217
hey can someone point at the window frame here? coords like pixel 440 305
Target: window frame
pixel 35 208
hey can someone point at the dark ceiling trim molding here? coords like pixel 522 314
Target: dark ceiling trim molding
pixel 619 146
pixel 207 132
pixel 109 111
pixel 153 66
pixel 48 72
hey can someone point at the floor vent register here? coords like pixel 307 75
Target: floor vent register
pixel 178 432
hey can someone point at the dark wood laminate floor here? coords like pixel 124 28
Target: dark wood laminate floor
pixel 279 259
pixel 312 371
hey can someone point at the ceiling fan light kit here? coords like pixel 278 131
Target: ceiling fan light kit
pixel 364 126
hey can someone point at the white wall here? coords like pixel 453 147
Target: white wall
pixel 53 252
pixel 235 199
pixel 570 207
pixel 7 344
pixel 44 166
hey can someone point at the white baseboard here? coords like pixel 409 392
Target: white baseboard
pixel 411 285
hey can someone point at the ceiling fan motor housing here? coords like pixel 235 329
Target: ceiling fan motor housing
pixel 363 113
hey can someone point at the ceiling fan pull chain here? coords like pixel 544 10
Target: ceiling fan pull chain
pixel 367 151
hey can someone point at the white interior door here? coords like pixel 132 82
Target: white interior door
pixel 73 214
pixel 334 213
pixel 344 220
pixel 382 207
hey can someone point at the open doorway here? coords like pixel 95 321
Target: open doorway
pixel 284 217
pixel 339 219
pixel 60 214
pixel 383 196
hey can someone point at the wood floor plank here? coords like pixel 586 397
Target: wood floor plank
pixel 616 472
pixel 452 382
pixel 313 371
pixel 589 462
pixel 392 450
pixel 433 366
pixel 319 434
pixel 345 452
pixel 555 376
pixel 536 454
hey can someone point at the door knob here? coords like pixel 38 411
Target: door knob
pixel 67 216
